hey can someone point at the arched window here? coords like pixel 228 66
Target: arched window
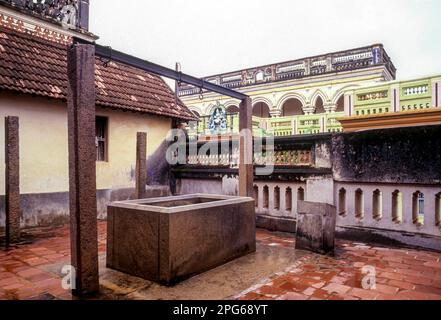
pixel 256 195
pixel 342 211
pixel 377 205
pixel 359 204
pixel 340 106
pixel 261 110
pixel 196 113
pixel 418 208
pixel 301 194
pixel 288 199
pixel 265 197
pixel 277 198
pixel 319 106
pixel 397 206
pixel 233 110
pixel 292 107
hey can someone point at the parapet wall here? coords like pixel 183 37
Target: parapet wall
pixel 384 182
pixel 403 155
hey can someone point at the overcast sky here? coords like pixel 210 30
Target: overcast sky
pixel 215 36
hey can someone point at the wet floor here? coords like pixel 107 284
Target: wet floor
pixel 224 282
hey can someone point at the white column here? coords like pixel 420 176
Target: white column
pixel 330 108
pixel 395 98
pixel 295 127
pixel 324 124
pixel 436 93
pixel 349 104
pixel 275 113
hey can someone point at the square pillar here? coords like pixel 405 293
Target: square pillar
pixel 246 168
pixel 141 164
pixel 349 104
pixel 12 179
pixel 395 99
pixel 82 167
pixel 436 93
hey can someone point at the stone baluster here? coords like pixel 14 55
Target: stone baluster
pixel 282 206
pixel 407 222
pixel 430 211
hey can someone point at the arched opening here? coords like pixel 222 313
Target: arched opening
pixel 277 198
pixel 196 113
pixel 288 199
pixel 233 110
pixel 319 106
pixel 438 209
pixel 292 107
pixel 261 110
pixel 359 204
pixel 301 194
pixel 397 206
pixel 342 211
pixel 256 195
pixel 377 205
pixel 265 197
pixel 418 208
pixel 340 106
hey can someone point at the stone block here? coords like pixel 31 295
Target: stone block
pixel 316 227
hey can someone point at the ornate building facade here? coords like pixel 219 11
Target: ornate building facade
pixel 310 95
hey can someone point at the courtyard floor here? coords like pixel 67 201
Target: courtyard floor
pixel 275 271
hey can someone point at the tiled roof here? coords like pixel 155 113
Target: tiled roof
pixel 33 65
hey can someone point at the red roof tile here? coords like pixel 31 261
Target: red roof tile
pixel 33 65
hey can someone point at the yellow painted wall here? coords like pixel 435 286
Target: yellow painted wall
pixel 44 143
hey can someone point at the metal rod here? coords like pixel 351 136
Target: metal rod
pixel 117 56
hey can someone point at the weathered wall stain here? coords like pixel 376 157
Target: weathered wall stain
pixel 402 155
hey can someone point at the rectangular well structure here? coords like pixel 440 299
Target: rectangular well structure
pixel 169 239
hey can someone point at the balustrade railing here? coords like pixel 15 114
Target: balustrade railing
pixel 413 209
pixel 226 154
pixel 296 69
pixel 277 127
pixel 73 13
pixel 411 95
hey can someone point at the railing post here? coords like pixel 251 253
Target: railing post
pixel 12 179
pixel 246 169
pixel 82 167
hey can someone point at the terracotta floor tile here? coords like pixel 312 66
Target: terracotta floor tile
pixel 336 288
pixel 363 294
pixel 400 273
pixel 402 285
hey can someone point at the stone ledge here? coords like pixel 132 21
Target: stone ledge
pixel 280 224
pixel 389 237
